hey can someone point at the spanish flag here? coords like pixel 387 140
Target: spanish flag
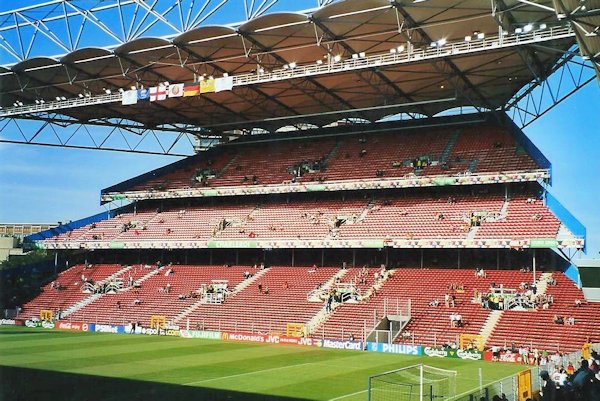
pixel 206 86
pixel 191 90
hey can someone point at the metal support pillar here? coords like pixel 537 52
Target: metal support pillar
pixel 533 266
pixel 421 258
pixel 497 259
pixel 293 256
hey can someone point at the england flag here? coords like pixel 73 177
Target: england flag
pixel 158 93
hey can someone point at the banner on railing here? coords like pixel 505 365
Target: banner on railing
pixel 39 323
pixel 403 349
pixel 355 345
pixel 207 335
pixel 106 328
pixel 8 322
pixel 75 326
pixel 453 353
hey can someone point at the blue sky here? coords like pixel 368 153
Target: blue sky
pixel 46 185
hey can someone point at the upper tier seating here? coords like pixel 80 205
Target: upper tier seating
pixel 410 217
pixel 481 149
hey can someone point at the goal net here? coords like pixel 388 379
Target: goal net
pixel 413 383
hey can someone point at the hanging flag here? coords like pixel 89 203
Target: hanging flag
pixel 158 93
pixel 143 94
pixel 206 86
pixel 223 84
pixel 175 90
pixel 191 90
pixel 129 97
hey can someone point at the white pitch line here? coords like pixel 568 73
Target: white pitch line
pixel 347 395
pixel 247 373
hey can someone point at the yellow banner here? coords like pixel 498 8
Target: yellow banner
pixel 206 86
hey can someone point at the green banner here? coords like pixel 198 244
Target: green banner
pixel 315 188
pixel 374 243
pixel 444 181
pixel 209 192
pixel 116 245
pixel 119 197
pixel 453 353
pixel 543 243
pixel 232 244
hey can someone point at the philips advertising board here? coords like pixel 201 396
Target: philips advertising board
pixel 403 349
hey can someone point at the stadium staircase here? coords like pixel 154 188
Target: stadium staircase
pixel 184 280
pixel 70 293
pixel 448 149
pixel 238 288
pixel 489 325
pixel 251 310
pixel 535 329
pixel 88 300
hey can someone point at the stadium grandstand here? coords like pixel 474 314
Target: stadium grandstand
pixel 354 172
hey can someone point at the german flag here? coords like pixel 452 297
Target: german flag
pixel 191 90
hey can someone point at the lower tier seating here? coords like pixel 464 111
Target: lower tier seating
pixel 276 296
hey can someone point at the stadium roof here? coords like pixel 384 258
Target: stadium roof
pixel 345 30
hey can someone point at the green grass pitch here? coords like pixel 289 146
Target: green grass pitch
pixel 37 364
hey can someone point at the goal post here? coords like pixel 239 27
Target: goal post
pixel 413 383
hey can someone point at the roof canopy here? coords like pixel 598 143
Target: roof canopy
pixel 485 79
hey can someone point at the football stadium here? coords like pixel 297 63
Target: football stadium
pixel 352 209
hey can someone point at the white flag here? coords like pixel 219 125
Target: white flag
pixel 223 84
pixel 129 97
pixel 175 90
pixel 158 93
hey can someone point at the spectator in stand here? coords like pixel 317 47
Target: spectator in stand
pixel 548 392
pixel 577 303
pixel 447 300
pixel 434 303
pixel 582 382
pixel 570 369
pixel 571 321
pixel 459 321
